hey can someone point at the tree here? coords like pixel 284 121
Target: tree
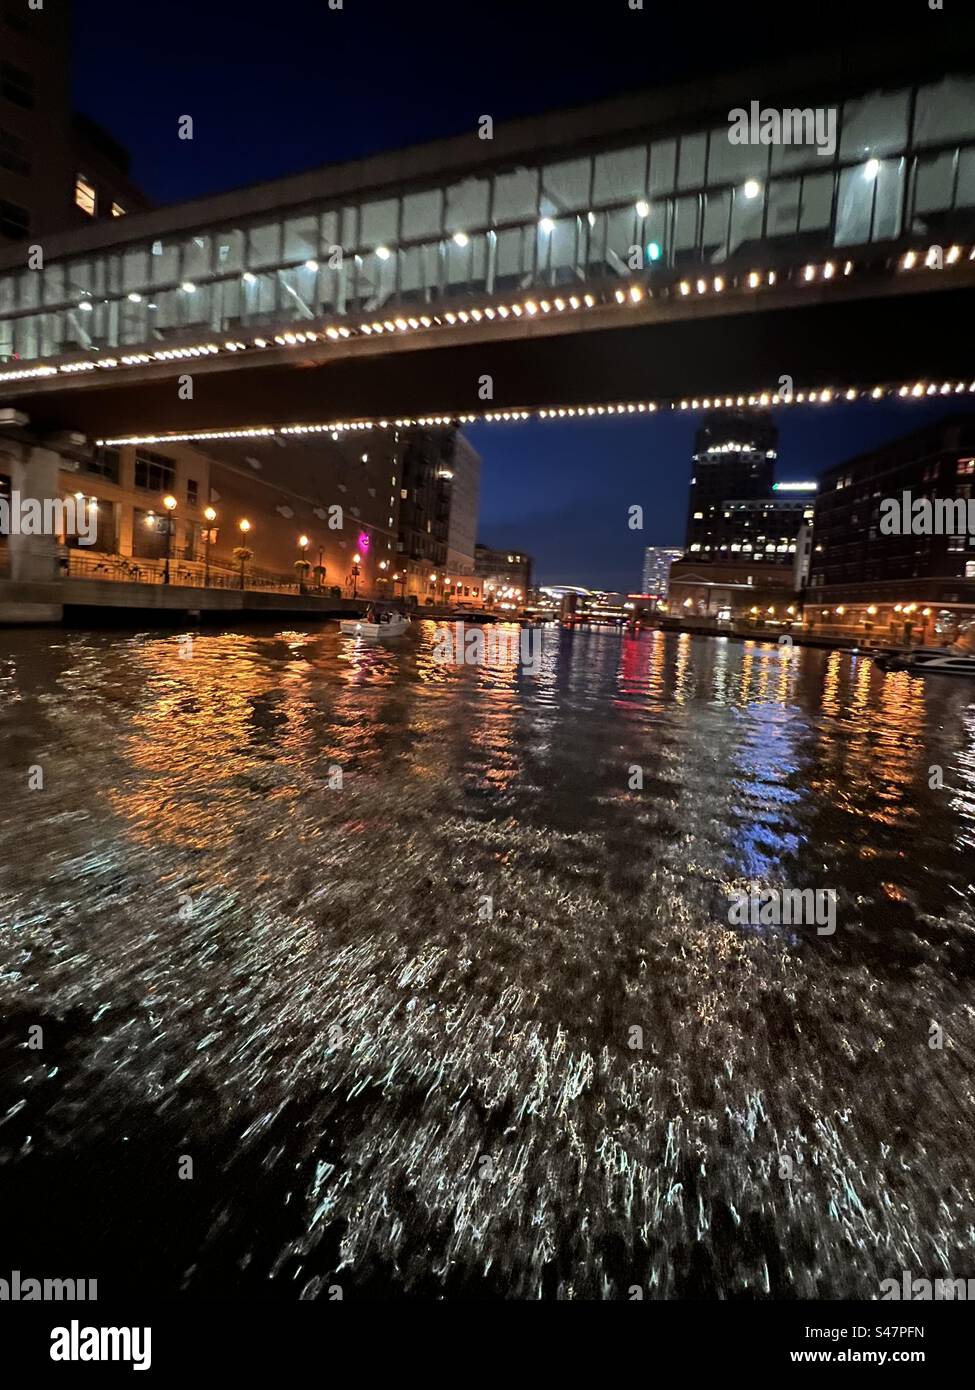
pixel 242 554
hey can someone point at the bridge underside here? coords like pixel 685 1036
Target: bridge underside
pixel 887 340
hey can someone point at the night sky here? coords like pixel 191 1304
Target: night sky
pixel 276 89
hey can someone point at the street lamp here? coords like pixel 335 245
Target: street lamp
pixel 210 516
pixel 242 553
pixel 356 562
pixel 302 565
pixel 169 502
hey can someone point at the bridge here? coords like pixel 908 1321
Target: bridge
pixel 623 255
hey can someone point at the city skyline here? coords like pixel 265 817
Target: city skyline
pixel 650 466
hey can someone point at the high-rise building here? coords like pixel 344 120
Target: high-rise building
pixel 734 458
pixel 58 169
pixel 439 498
pixel 761 530
pixel 657 560
pixel 465 498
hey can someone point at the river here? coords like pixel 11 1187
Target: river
pixel 362 975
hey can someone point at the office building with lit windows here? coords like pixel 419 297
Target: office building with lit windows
pixel 508 571
pixel 657 560
pixel 439 496
pixel 854 558
pixel 734 458
pixel 58 168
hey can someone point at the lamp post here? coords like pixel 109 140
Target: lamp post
pixel 356 562
pixel 242 553
pixel 169 503
pixel 302 565
pixel 211 517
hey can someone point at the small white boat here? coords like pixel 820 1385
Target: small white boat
pixel 390 625
pixel 944 662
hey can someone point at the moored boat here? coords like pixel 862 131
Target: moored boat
pixel 389 625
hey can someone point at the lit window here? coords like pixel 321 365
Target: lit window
pixel 84 195
pixel 118 210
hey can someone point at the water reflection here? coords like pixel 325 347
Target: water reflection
pixel 392 1012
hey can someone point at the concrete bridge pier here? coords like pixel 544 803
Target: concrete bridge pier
pixel 33 472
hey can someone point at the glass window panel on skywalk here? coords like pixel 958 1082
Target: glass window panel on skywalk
pixel 264 245
pixel 379 223
pixel 330 238
pixel 557 252
pixel 419 279
pixel 728 163
pixel 51 335
pixel 933 185
pixel 135 267
pixel 193 305
pixel 965 194
pixel 621 225
pixel 686 221
pixel 945 111
pixel 656 241
pixel 875 125
pixel 690 160
pixel 514 255
pixel 816 202
pixel 228 298
pixel 375 280
pixel 349 229
pixel 868 203
pixel 467 205
pixel 782 222
pixel 565 187
pixel 459 263
pixel 54 284
pixel 619 176
pixel 421 214
pixel 30 289
pixel 261 298
pixel 717 217
pixel 133 322
pixel 196 257
pixel 663 167
pixel 515 196
pixel 164 262
pixel 301 237
pixel 746 220
pixel 299 291
pixel 229 251
pixel 801 154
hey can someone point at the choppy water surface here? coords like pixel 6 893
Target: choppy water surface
pixel 387 1084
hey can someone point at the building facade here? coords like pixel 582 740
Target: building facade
pixel 906 583
pixel 506 575
pixel 331 504
pixel 465 502
pixel 439 497
pixel 58 169
pixel 657 561
pixel 734 457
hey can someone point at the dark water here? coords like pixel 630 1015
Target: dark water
pixel 386 1086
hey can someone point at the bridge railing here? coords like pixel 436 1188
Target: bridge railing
pixel 185 568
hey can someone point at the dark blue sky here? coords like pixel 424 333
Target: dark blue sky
pixel 274 89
